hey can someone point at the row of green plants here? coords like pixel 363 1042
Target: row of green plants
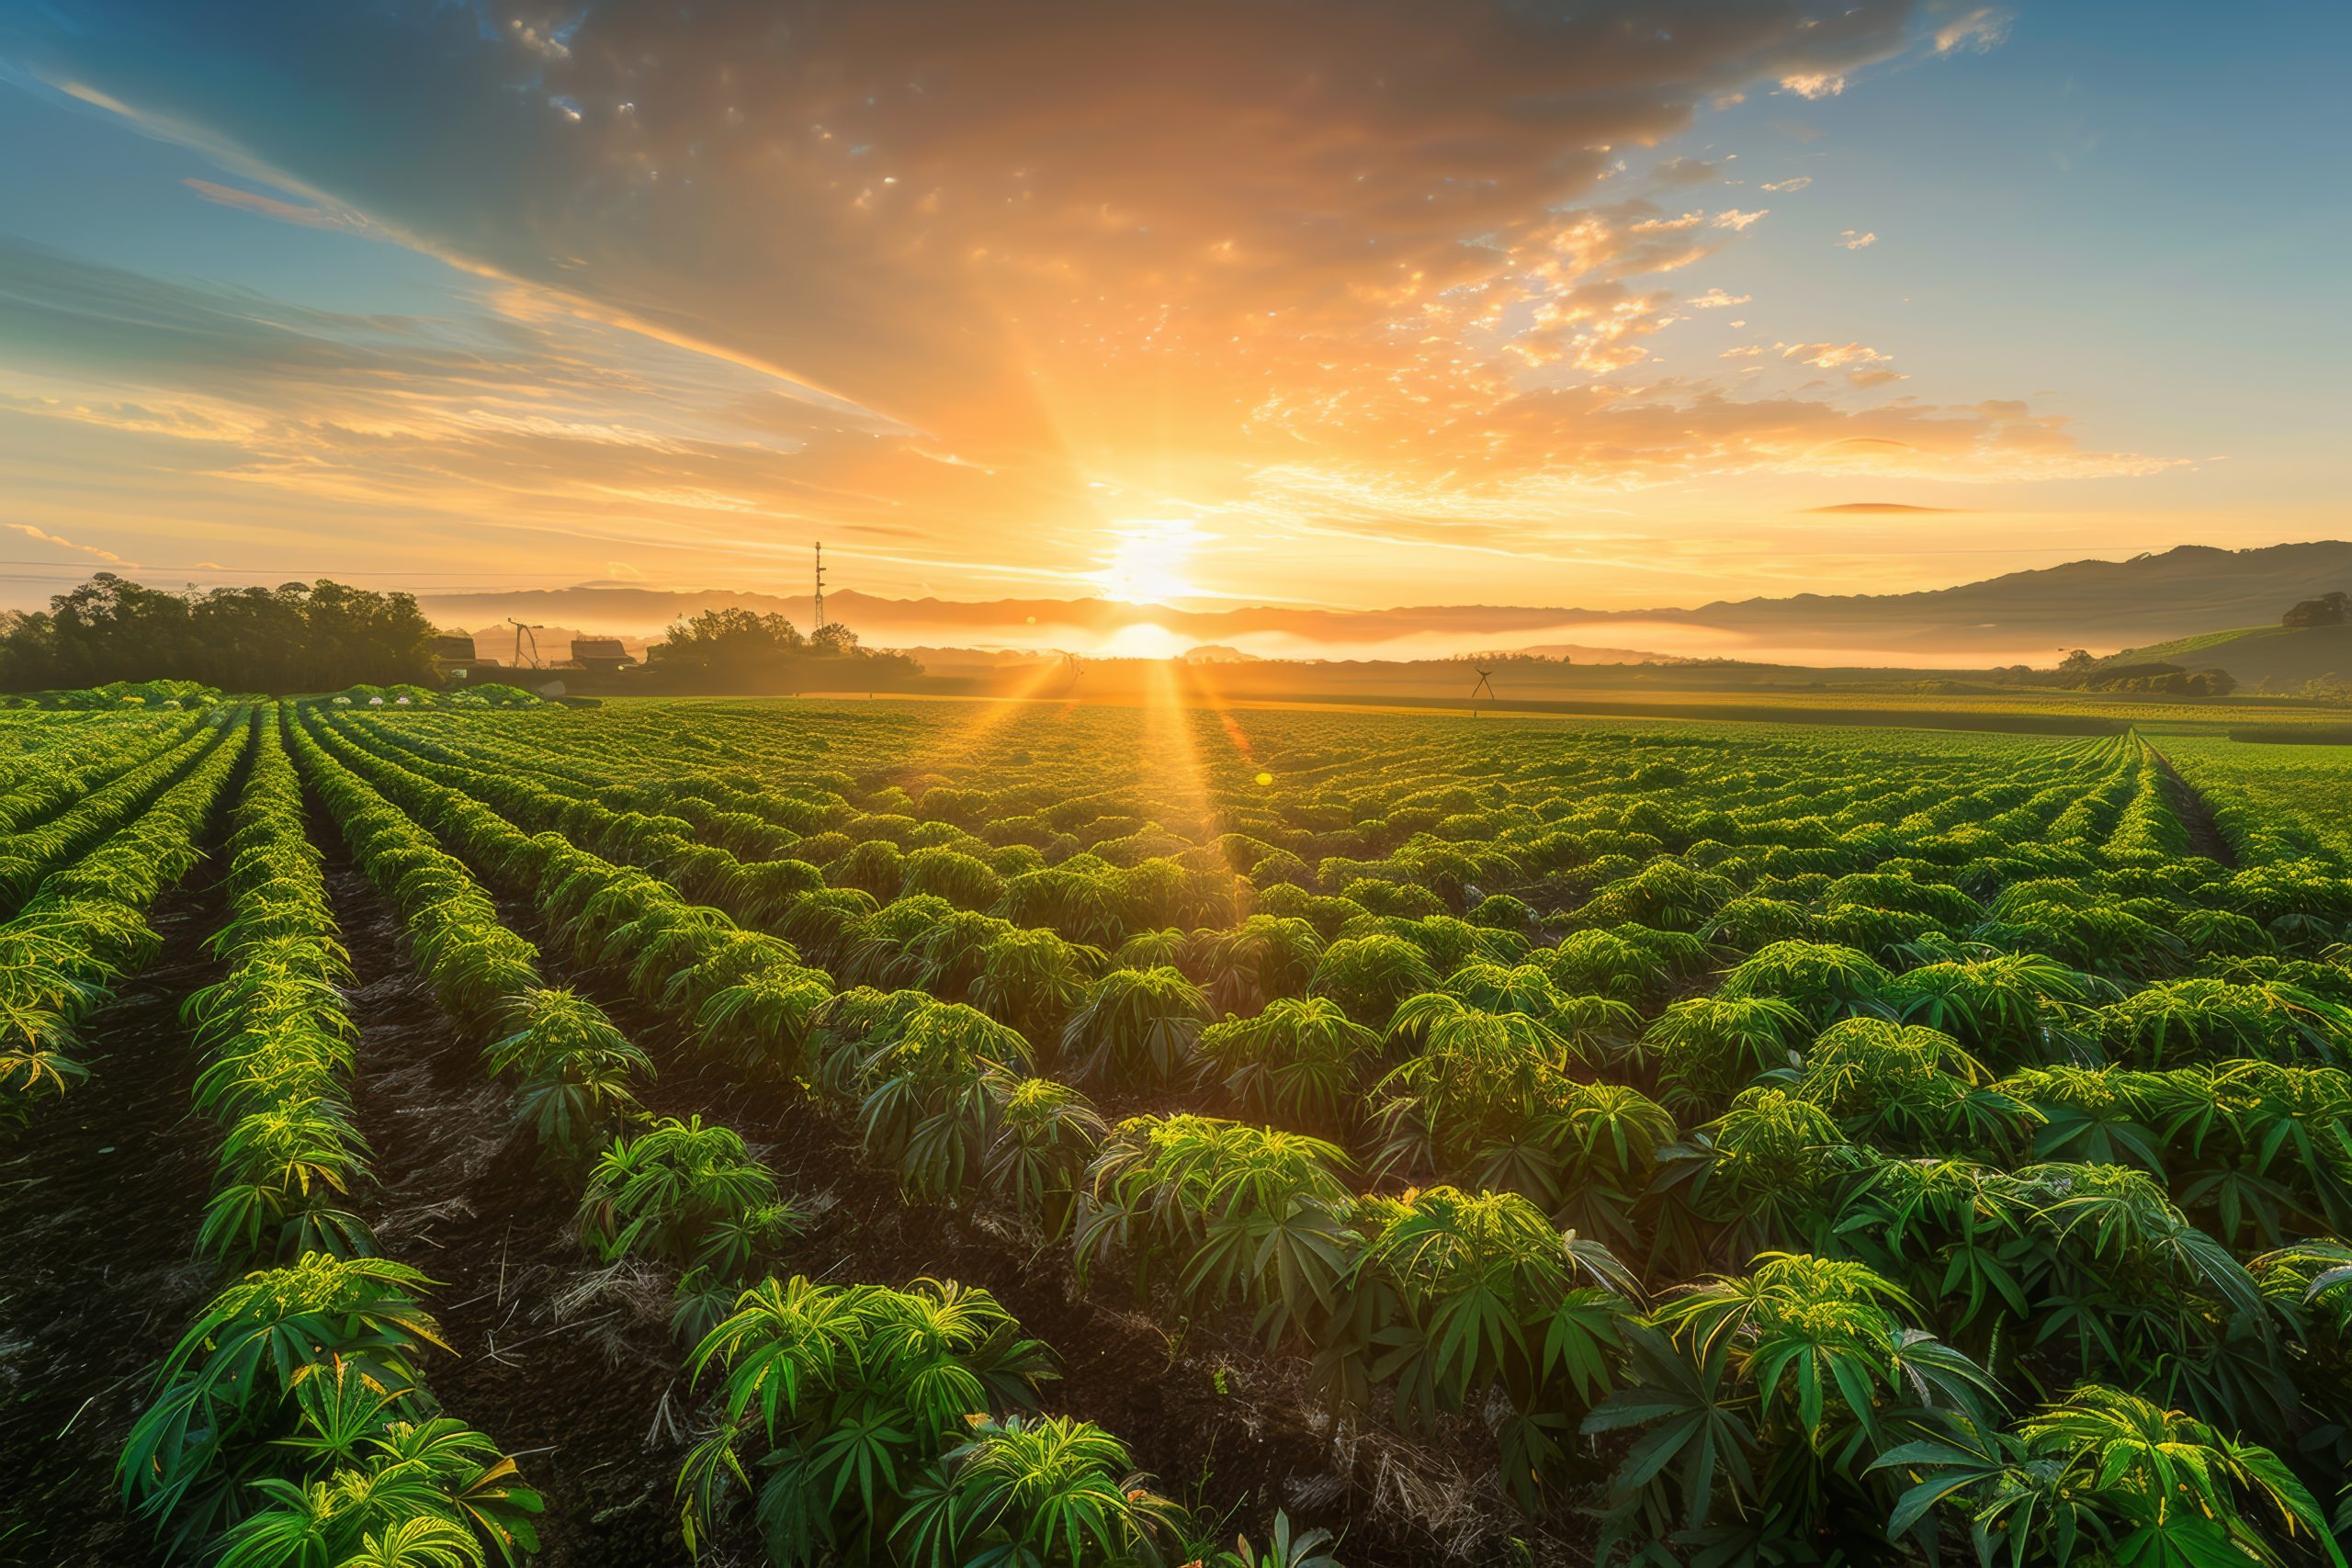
pixel 32 850
pixel 900 1461
pixel 678 1194
pixel 290 1423
pixel 85 928
pixel 2021 1009
pixel 275 1038
pixel 2273 805
pixel 2127 922
pixel 1639 893
pixel 939 1089
pixel 1779 1407
pixel 52 763
pixel 1600 810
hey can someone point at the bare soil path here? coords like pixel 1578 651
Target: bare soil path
pixel 2196 814
pixel 563 1364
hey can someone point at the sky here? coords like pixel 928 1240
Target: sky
pixel 1342 302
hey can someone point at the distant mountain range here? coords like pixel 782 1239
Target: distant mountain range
pixel 2102 606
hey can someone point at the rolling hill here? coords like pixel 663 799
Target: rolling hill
pixel 2015 617
pixel 2271 658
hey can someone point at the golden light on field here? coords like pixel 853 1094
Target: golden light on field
pixel 1265 779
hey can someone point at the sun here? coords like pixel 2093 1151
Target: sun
pixel 1147 561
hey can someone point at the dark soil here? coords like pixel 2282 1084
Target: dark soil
pixel 2196 814
pixel 564 1364
pixel 100 1200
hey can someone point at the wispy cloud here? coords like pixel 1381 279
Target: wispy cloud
pixel 43 536
pixel 1986 27
pixel 272 207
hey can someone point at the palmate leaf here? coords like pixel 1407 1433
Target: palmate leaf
pixel 1288 1260
pixel 247 1356
pixel 1581 1339
pixel 298 1532
pixel 1974 1458
pixel 1047 1135
pixel 1842 1350
pixel 861 1452
pixel 701 1493
pixel 1691 1427
pixel 1032 1492
pixel 2166 1487
pixel 782 1338
pixel 415 1543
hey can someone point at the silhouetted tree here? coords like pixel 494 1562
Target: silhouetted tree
pixel 735 650
pixel 2327 610
pixel 298 636
pixel 731 641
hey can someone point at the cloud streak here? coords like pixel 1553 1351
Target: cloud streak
pixel 43 535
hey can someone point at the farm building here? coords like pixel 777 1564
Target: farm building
pixel 601 655
pixel 454 657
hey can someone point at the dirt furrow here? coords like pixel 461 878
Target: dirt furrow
pixel 2196 814
pixel 100 1200
pixel 565 1365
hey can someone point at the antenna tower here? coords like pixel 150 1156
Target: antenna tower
pixel 820 585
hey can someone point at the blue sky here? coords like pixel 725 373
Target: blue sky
pixel 1226 303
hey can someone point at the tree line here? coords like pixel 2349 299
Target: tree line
pixel 738 650
pixel 325 636
pixel 298 636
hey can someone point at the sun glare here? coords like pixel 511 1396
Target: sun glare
pixel 1147 561
pixel 1145 641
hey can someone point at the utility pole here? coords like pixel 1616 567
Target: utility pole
pixel 820 585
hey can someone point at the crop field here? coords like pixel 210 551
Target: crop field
pixel 939 1133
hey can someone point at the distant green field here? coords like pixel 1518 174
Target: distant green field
pixel 2026 711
